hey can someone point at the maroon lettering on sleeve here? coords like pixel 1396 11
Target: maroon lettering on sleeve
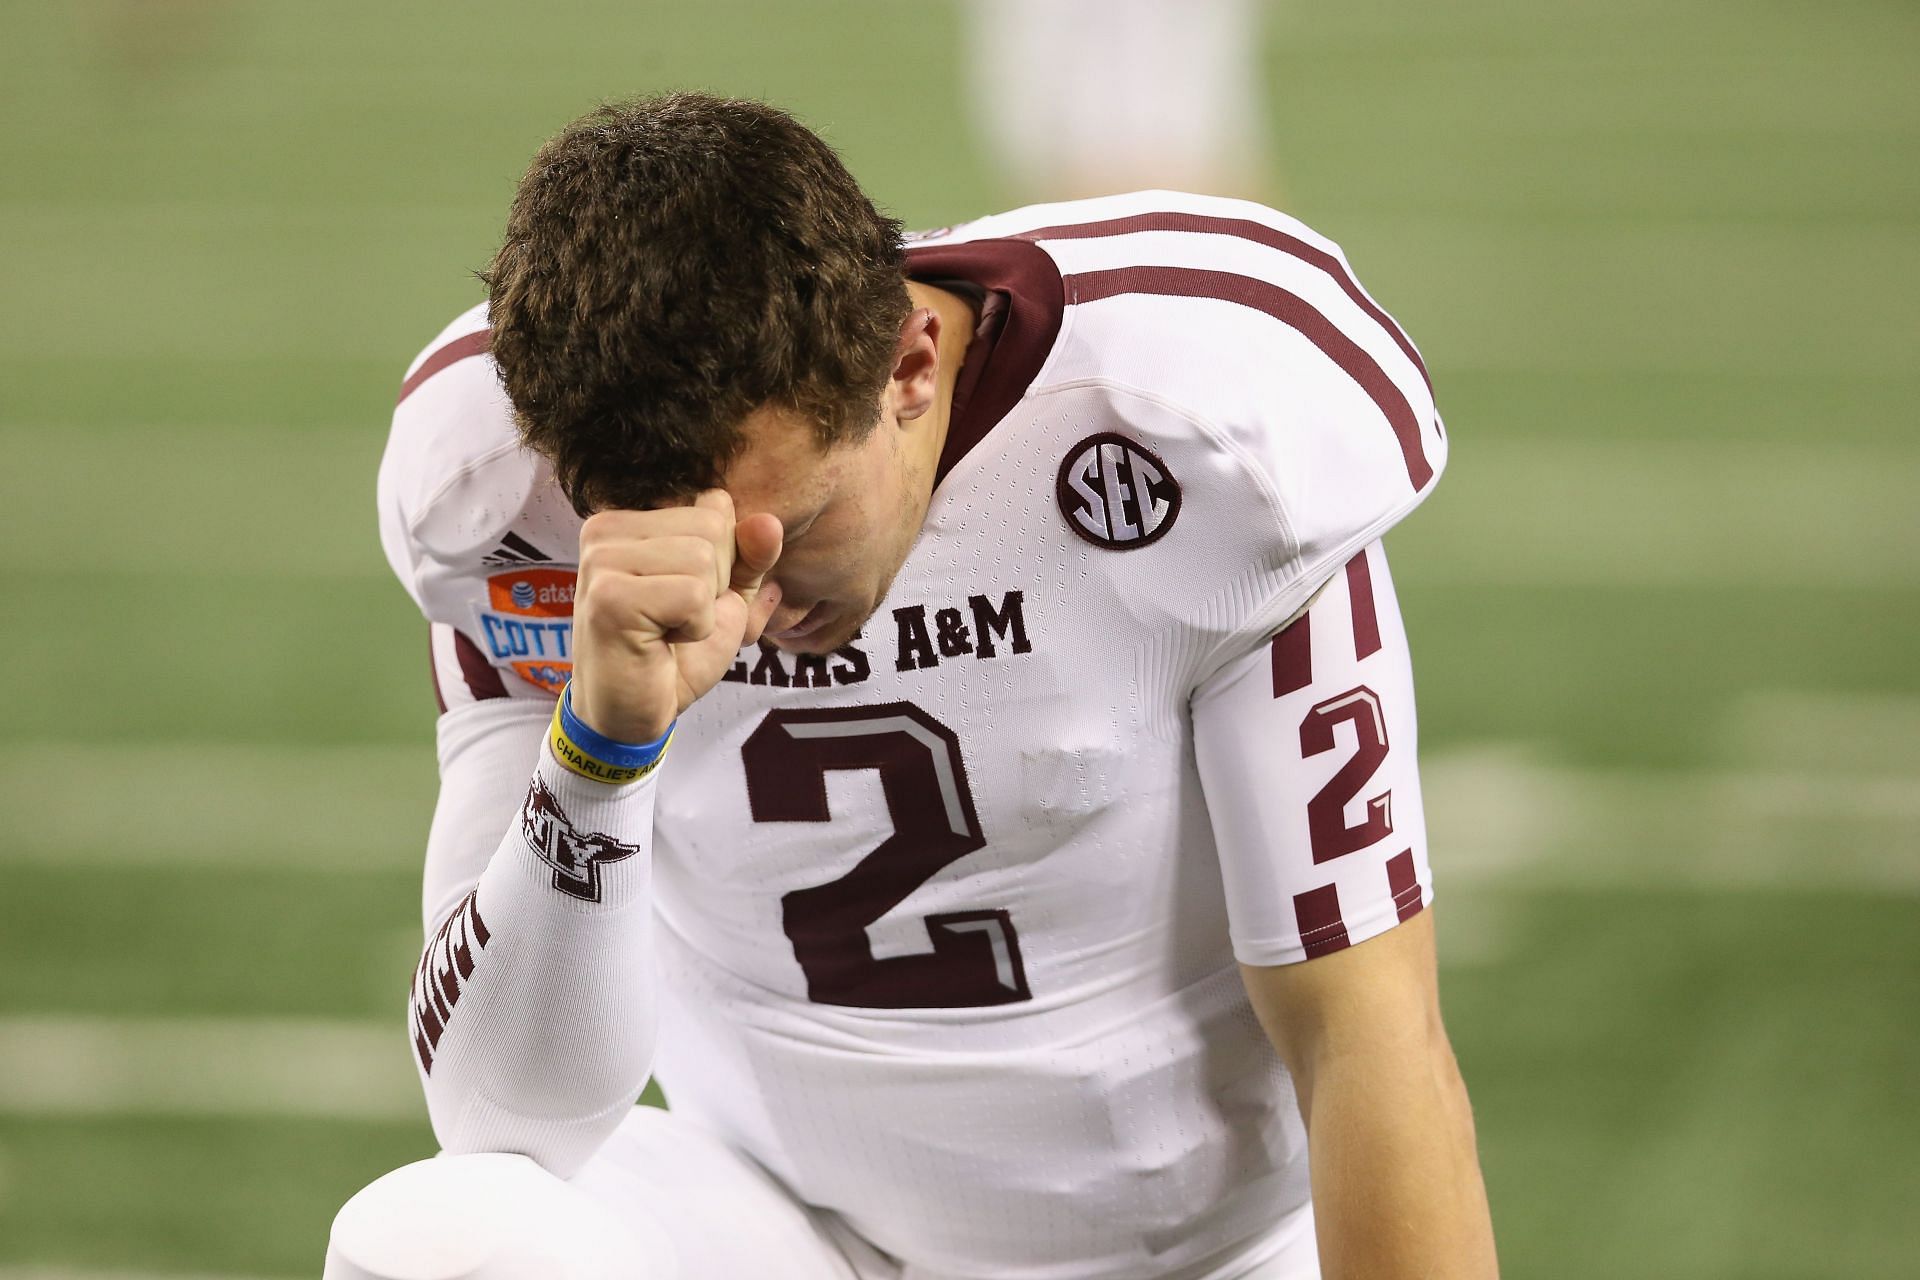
pixel 1401 878
pixel 1322 931
pixel 1292 657
pixel 1245 229
pixel 473 344
pixel 577 857
pixel 446 964
pixel 1366 620
pixel 1289 309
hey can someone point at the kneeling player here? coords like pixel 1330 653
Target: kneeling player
pixel 941 709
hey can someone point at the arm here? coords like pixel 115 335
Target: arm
pixel 531 1014
pixel 1307 750
pixel 532 1007
pixel 1396 1181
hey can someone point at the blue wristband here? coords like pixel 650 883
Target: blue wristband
pixel 593 755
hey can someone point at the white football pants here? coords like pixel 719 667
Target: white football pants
pixel 662 1200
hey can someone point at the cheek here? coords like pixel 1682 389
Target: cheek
pixel 817 570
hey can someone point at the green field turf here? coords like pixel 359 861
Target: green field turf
pixel 1662 260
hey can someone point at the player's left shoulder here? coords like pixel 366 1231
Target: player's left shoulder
pixel 1248 402
pixel 1241 314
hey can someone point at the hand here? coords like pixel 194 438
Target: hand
pixel 665 600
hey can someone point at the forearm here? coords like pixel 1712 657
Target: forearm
pixel 533 1008
pixel 1397 1189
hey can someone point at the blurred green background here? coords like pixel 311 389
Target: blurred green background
pixel 1662 259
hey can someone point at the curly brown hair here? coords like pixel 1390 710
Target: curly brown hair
pixel 671 264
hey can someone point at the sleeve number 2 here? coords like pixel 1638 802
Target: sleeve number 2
pixel 975 956
pixel 1327 811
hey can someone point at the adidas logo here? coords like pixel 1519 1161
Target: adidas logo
pixel 514 549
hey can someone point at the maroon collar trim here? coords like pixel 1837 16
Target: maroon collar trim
pixel 1018 325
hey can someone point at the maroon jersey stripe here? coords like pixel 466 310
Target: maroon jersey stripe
pixel 483 681
pixel 1292 657
pixel 1321 928
pixel 1245 229
pixel 1407 898
pixel 1366 621
pixel 474 344
pixel 1291 310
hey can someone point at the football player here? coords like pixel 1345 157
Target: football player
pixel 936 704
pixel 1084 97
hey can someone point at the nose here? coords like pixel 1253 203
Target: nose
pixel 788 616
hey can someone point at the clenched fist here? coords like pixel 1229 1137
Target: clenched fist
pixel 665 600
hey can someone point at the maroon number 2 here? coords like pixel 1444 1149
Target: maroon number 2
pixel 975 958
pixel 1326 812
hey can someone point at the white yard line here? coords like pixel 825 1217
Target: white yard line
pixel 1820 792
pixel 178 804
pixel 1501 816
pixel 83 1066
pixel 1503 823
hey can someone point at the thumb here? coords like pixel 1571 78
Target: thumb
pixel 757 541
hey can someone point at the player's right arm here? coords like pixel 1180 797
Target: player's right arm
pixel 532 1010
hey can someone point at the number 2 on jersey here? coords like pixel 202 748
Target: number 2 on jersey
pixel 1331 837
pixel 975 959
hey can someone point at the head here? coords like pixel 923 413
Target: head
pixel 692 292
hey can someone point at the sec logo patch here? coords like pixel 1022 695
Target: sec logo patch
pixel 527 624
pixel 1116 494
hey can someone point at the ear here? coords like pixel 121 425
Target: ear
pixel 916 364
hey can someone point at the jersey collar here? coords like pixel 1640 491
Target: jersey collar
pixel 1019 300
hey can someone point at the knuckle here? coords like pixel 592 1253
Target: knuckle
pixel 601 527
pixel 666 600
pixel 712 524
pixel 680 554
pixel 598 598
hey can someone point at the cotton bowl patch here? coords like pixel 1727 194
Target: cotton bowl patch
pixel 526 625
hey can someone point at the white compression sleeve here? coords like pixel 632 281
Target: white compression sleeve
pixel 532 1012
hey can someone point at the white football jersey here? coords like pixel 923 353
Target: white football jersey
pixel 946 923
